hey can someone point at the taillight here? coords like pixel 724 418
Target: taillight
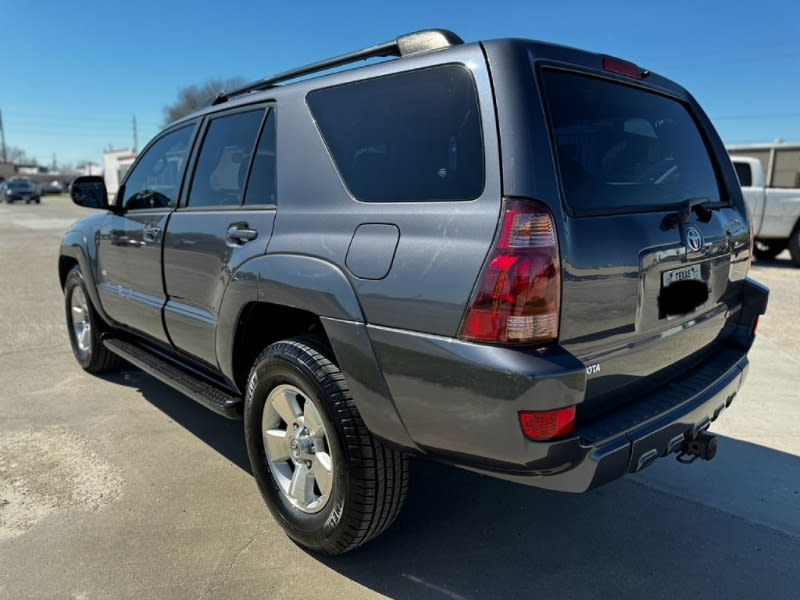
pixel 540 425
pixel 623 67
pixel 755 325
pixel 518 296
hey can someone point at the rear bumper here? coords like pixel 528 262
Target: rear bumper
pixel 636 436
pixel 460 401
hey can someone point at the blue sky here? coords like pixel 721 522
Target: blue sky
pixel 72 74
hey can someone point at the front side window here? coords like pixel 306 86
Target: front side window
pixel 155 180
pixel 621 148
pixel 221 172
pixel 409 137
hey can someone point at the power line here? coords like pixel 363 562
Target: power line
pixel 763 116
pixel 25 115
pixel 99 134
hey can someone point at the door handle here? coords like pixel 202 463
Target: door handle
pixel 240 233
pixel 150 233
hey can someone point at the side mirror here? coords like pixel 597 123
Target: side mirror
pixel 90 192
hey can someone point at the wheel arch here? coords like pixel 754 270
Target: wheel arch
pixel 275 297
pixel 75 251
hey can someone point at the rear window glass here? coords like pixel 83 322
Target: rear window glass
pixel 621 148
pixel 744 174
pixel 413 136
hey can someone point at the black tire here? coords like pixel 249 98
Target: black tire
pixel 95 358
pixel 768 249
pixel 370 480
pixel 794 246
pixel 38 200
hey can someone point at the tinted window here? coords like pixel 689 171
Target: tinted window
pixel 261 187
pixel 744 174
pixel 221 170
pixel 155 180
pixel 409 137
pixel 620 148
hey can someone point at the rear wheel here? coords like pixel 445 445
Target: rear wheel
pixel 327 481
pixel 768 249
pixel 794 246
pixel 85 326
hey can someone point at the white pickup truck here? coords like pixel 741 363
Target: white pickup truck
pixel 775 211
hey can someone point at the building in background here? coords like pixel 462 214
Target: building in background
pixel 7 170
pixel 115 165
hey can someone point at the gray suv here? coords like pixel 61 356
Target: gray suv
pixel 519 258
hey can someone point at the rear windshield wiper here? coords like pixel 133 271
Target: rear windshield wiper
pixel 702 206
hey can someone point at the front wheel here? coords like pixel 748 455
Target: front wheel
pixel 84 326
pixel 794 246
pixel 327 481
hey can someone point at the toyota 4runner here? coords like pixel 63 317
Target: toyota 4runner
pixel 519 258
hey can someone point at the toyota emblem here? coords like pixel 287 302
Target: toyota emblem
pixel 694 239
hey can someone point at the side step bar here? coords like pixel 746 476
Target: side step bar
pixel 210 396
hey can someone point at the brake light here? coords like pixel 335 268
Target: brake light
pixel 518 296
pixel 540 425
pixel 623 67
pixel 755 325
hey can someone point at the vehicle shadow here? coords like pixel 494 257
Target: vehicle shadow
pixel 729 528
pixel 462 535
pixel 223 435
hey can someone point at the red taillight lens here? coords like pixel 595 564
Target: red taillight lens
pixel 755 325
pixel 622 67
pixel 547 424
pixel 519 292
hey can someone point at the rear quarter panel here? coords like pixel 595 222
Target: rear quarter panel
pixel 441 245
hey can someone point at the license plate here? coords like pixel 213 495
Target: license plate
pixel 691 273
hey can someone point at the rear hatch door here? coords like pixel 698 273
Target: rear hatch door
pixel 654 250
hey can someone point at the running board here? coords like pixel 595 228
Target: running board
pixel 210 396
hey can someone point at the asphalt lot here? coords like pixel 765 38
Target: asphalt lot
pixel 116 487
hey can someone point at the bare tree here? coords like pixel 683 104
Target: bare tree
pixel 18 156
pixel 191 97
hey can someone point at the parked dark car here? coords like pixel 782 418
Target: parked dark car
pixel 25 190
pixel 52 187
pixel 527 260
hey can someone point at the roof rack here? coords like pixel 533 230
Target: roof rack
pixel 405 45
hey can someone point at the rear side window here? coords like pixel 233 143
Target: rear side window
pixel 409 137
pixel 744 173
pixel 261 188
pixel 624 149
pixel 221 171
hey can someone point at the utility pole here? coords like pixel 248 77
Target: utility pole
pixel 135 135
pixel 3 137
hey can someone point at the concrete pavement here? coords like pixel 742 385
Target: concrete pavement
pixel 117 487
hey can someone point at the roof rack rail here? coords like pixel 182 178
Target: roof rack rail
pixel 405 45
